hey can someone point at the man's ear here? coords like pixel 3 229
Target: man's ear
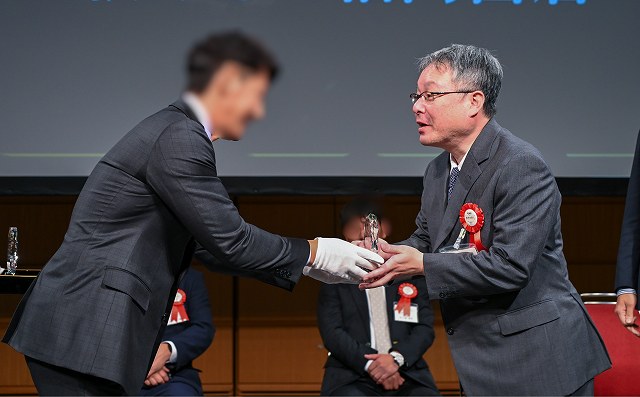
pixel 227 78
pixel 476 103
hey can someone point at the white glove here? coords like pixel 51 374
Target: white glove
pixel 338 261
pixel 327 278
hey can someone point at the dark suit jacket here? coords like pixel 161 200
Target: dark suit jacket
pixel 629 251
pixel 191 338
pixel 343 320
pixel 101 303
pixel 515 322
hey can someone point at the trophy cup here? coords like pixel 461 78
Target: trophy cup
pixel 12 251
pixel 371 229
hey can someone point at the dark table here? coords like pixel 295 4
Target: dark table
pixel 18 283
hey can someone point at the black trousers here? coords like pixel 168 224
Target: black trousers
pixel 51 380
pixel 367 387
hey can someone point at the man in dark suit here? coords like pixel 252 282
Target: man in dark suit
pixel 515 323
pixel 627 274
pixel 93 320
pixel 345 325
pixel 346 321
pixel 189 333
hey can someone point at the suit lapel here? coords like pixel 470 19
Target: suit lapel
pixel 390 293
pixel 471 170
pixel 360 299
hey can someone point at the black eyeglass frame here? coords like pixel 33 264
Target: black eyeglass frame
pixel 430 96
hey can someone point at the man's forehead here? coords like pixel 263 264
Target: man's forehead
pixel 434 77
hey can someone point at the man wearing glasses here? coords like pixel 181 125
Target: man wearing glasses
pixel 488 242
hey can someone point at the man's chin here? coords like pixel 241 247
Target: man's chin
pixel 425 141
pixel 232 136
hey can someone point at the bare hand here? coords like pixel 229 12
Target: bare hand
pixel 626 311
pixel 382 367
pixel 158 378
pixel 367 244
pixel 404 262
pixel 162 356
pixel 393 382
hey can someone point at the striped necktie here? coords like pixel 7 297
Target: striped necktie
pixel 453 177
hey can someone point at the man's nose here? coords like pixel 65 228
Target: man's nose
pixel 418 106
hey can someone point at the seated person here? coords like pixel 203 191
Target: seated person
pixel 188 334
pixel 374 350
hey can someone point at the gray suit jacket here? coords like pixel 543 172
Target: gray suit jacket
pixel 515 322
pixel 101 303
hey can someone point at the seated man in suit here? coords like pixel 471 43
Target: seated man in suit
pixel 189 333
pixel 367 339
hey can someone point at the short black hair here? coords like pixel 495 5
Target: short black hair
pixel 359 208
pixel 206 57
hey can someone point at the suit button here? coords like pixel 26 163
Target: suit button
pixel 451 331
pixel 165 317
pixel 442 295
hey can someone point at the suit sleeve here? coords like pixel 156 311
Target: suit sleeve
pixel 629 250
pixel 182 171
pixel 526 210
pixel 336 339
pixel 278 276
pixel 196 338
pixel 414 345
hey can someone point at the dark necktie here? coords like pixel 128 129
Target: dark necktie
pixel 453 177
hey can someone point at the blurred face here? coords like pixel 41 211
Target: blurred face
pixel 354 229
pixel 237 97
pixel 443 119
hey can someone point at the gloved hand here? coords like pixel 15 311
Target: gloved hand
pixel 338 261
pixel 327 278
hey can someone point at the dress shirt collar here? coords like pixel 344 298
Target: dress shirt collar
pixel 454 164
pixel 199 110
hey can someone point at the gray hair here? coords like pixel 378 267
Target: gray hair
pixel 471 66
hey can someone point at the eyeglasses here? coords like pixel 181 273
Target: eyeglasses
pixel 430 96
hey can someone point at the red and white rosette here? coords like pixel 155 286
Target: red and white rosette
pixel 178 311
pixel 407 292
pixel 472 220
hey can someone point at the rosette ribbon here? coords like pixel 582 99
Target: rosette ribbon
pixel 472 220
pixel 407 292
pixel 178 311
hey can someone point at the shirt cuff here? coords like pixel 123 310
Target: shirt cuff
pixel 623 291
pixel 366 366
pixel 398 357
pixel 174 352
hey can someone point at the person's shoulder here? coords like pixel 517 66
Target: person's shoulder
pixel 194 274
pixel 439 164
pixel 515 149
pixel 191 279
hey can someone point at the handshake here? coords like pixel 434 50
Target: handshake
pixel 335 261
